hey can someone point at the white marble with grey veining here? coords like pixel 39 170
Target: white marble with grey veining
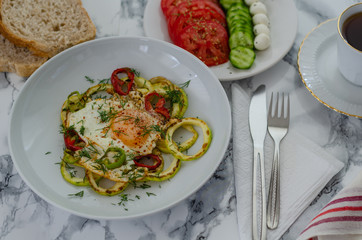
pixel 210 212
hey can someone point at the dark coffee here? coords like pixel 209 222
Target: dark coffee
pixel 352 30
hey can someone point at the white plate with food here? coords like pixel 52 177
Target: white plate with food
pixel 318 68
pixel 38 143
pixel 283 27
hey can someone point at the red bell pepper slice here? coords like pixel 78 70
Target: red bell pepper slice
pixel 159 106
pixel 122 87
pixel 71 139
pixel 157 161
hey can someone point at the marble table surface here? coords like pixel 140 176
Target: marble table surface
pixel 24 215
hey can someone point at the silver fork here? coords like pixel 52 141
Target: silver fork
pixel 278 125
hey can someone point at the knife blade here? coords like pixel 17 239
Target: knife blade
pixel 258 127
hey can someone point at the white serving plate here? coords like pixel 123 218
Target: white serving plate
pixel 283 27
pixel 35 122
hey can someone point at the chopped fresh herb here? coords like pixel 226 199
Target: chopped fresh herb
pixel 155 128
pixel 174 96
pixel 150 194
pixel 99 97
pixel 89 79
pixel 106 116
pixel 82 129
pixel 106 80
pixel 137 73
pixel 84 153
pixel 64 129
pixel 124 199
pixel 48 153
pixel 123 103
pixel 70 170
pixel 185 84
pixel 100 166
pixel 78 194
pixel 144 186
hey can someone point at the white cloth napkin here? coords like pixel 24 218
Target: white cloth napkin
pixel 305 169
pixel 341 218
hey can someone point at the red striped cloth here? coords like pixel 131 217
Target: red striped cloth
pixel 339 219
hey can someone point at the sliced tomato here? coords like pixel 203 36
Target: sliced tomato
pixel 187 6
pixel 180 22
pixel 207 40
pixel 167 4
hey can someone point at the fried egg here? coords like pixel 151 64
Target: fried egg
pixel 105 123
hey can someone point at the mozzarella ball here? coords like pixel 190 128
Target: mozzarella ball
pixel 258 7
pixel 250 2
pixel 261 28
pixel 262 41
pixel 261 18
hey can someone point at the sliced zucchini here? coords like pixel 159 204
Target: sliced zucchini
pixel 162 145
pixel 69 176
pixel 68 157
pixel 75 101
pixel 143 84
pixel 242 57
pixel 102 87
pixel 117 188
pixel 175 151
pixel 166 174
pixel 179 108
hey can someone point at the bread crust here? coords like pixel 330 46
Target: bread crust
pixel 42 47
pixel 18 60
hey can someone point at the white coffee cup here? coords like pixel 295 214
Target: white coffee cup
pixel 349 58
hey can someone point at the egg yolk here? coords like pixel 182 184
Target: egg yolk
pixel 132 127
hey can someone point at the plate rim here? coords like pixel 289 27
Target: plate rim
pixel 315 95
pixel 33 78
pixel 247 74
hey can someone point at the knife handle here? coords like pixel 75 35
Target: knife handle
pixel 259 201
pixel 273 209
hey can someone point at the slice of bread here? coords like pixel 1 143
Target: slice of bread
pixel 18 60
pixel 46 27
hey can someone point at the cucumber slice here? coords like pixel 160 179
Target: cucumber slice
pixel 242 57
pixel 242 39
pixel 226 4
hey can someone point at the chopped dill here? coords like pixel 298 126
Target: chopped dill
pixel 78 194
pixel 124 198
pixel 70 170
pixel 81 130
pixel 137 73
pixel 155 128
pixel 185 84
pixel 150 194
pixel 89 79
pixel 104 81
pixel 84 153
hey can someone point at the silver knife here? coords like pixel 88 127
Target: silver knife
pixel 258 127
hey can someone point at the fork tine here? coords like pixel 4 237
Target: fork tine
pixel 276 106
pixel 282 110
pixel 270 106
